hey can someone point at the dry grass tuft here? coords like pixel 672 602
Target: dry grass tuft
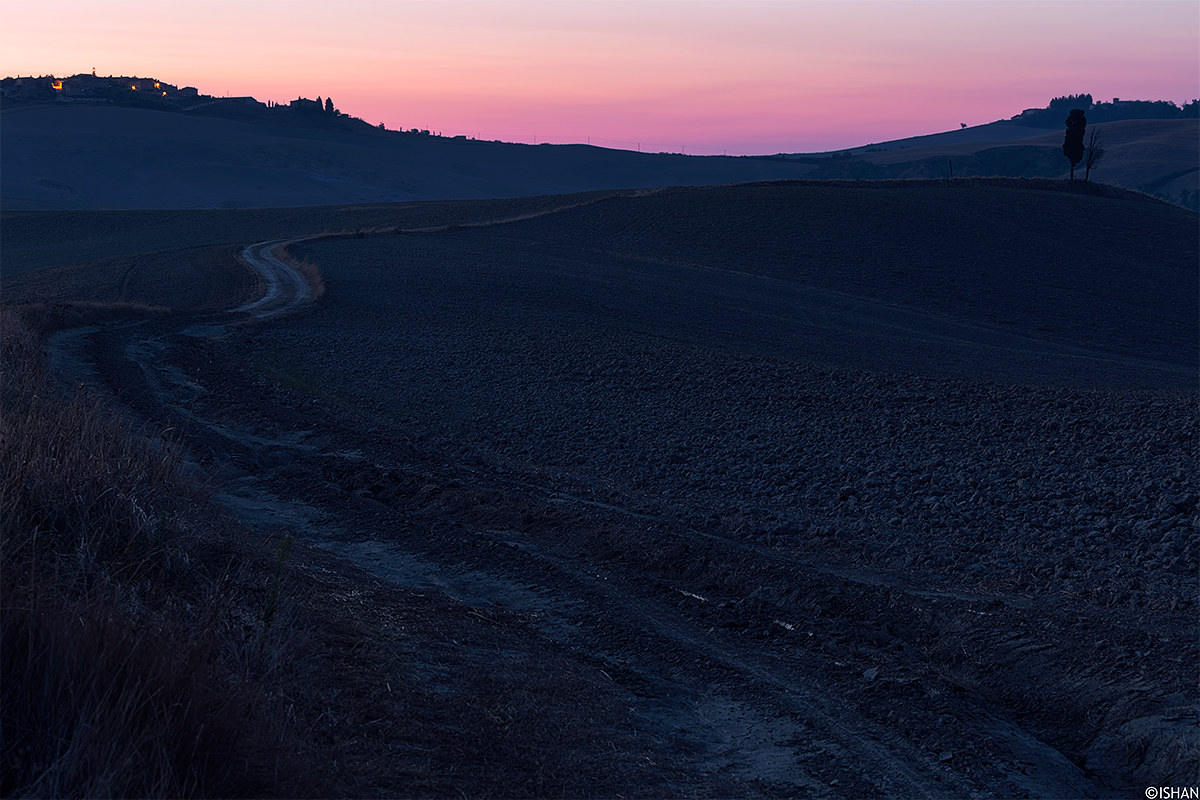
pixel 123 665
pixel 42 318
pixel 73 475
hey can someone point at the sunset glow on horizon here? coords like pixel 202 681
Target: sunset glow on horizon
pixel 707 77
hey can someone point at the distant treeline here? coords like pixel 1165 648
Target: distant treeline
pixel 1053 115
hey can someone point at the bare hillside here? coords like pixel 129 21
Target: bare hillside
pixel 104 157
pixel 91 157
pixel 1150 155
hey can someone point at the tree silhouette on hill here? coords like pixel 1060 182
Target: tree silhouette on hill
pixel 1073 143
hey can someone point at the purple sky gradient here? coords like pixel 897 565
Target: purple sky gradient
pixel 736 76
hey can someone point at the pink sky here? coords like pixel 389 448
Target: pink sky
pixel 711 76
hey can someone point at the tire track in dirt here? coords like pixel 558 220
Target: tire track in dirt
pixel 629 624
pixel 687 660
pixel 711 689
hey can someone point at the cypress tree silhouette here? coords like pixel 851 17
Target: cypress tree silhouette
pixel 1073 143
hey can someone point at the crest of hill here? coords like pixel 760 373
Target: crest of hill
pixel 1156 156
pixel 64 156
pixel 86 156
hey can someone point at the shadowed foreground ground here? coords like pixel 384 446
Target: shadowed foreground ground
pixel 770 489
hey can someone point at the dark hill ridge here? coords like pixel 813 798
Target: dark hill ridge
pixel 75 156
pixel 81 157
pixel 1155 156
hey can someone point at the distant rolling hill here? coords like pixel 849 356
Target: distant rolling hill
pixel 107 157
pixel 1156 156
pixel 76 156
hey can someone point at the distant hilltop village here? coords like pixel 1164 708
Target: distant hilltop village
pixel 122 89
pixel 93 87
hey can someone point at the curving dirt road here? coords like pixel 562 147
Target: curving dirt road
pixel 286 289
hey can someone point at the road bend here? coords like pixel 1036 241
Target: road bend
pixel 286 288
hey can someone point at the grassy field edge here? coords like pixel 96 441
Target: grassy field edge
pixel 145 653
